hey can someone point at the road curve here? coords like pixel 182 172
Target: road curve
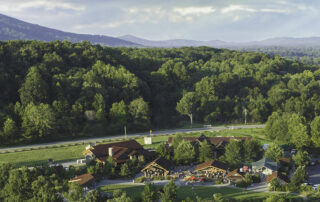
pixel 154 133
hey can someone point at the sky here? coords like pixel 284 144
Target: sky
pixel 227 20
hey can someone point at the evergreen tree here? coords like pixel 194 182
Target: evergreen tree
pixel 169 192
pixel 205 152
pixel 233 153
pixel 34 89
pixel 274 152
pixel 149 193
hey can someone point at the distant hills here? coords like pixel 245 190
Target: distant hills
pixel 14 29
pixel 282 42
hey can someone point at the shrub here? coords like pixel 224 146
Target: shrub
pixel 256 178
pixel 140 179
pixel 219 181
pixel 169 177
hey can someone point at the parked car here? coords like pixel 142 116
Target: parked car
pixel 293 151
pixel 313 163
pixel 315 187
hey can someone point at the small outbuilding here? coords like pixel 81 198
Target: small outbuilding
pixel 158 167
pixel 235 176
pixel 85 180
pixel 282 179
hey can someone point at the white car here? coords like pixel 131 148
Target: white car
pixel 316 186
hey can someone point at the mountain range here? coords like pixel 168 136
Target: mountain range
pixel 14 29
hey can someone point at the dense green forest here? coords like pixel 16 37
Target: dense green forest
pixel 308 55
pixel 62 90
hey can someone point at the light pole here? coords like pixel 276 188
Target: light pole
pixel 245 111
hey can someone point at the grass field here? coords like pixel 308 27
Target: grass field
pixel 73 152
pixel 204 192
pixel 41 156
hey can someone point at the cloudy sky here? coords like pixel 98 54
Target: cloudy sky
pixel 229 20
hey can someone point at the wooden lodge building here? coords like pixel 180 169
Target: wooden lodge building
pixel 119 151
pixel 218 143
pixel 158 167
pixel 212 168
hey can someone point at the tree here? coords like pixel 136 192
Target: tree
pixel 119 196
pixel 300 137
pixel 277 127
pixel 118 113
pixel 274 152
pixel 169 192
pixel 163 151
pixel 18 187
pixel 34 89
pixel 75 193
pixel 149 193
pixel 139 111
pixel 233 153
pixel 99 105
pixel 302 158
pixel 10 129
pixel 184 153
pixel 252 150
pixel 277 198
pixel 205 152
pixel 5 169
pixel 187 104
pixel 37 121
pixel 298 131
pixel 93 196
pixel 44 190
pixel 125 171
pixel 299 176
pixel 247 180
pixel 110 167
pixel 274 185
pixel 177 138
pixel 315 131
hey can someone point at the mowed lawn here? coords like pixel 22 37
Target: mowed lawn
pixel 40 156
pixel 204 192
pixel 72 152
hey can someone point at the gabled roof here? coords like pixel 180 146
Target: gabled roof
pixel 83 180
pixel 162 162
pixel 265 162
pixel 285 160
pixel 212 163
pixel 235 174
pixel 278 175
pixel 102 149
pixel 122 151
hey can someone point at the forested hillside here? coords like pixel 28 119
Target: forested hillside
pixel 61 90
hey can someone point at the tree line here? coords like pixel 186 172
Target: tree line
pixel 63 90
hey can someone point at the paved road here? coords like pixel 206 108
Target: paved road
pixel 154 133
pixel 314 174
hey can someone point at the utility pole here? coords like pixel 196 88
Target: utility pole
pixel 125 132
pixel 245 111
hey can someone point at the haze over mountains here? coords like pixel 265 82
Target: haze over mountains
pixel 14 29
